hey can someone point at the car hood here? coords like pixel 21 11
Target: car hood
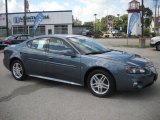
pixel 125 57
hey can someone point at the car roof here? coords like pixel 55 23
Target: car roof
pixel 58 35
pixel 21 35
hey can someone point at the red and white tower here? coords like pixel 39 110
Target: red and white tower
pixel 134 18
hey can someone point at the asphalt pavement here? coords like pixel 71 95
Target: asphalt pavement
pixel 38 99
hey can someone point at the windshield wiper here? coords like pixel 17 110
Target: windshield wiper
pixel 97 52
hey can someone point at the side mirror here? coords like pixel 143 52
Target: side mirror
pixel 70 52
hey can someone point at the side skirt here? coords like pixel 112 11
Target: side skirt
pixel 57 80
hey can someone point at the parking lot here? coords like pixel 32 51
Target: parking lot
pixel 38 99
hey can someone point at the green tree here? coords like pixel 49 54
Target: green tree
pixel 122 22
pixel 105 22
pixel 147 17
pixel 90 25
pixel 98 24
pixel 77 22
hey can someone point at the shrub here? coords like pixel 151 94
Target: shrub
pixel 146 32
pixel 153 34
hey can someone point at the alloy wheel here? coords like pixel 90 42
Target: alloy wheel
pixel 17 70
pixel 99 84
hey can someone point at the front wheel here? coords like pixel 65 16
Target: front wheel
pixel 158 46
pixel 101 83
pixel 18 70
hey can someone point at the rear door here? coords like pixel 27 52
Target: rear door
pixel 59 65
pixel 34 56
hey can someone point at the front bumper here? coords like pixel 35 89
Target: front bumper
pixel 2 46
pixel 152 45
pixel 136 81
pixel 144 81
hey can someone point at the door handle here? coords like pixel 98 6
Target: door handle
pixel 50 57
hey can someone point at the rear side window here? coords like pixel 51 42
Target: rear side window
pixel 39 44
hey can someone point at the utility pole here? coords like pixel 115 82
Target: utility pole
pixel 158 17
pixel 155 15
pixel 25 24
pixel 142 18
pixel 158 10
pixel 95 23
pixel 142 39
pixel 7 30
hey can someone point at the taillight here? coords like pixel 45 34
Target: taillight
pixel 8 41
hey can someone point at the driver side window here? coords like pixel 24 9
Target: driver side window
pixel 57 45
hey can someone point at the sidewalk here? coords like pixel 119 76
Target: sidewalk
pixel 117 42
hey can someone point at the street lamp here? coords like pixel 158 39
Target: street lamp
pixel 118 22
pixel 95 22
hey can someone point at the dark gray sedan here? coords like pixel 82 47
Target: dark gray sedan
pixel 81 61
pixel 14 39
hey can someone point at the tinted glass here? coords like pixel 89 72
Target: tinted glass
pixel 86 45
pixel 22 38
pixel 9 37
pixel 39 44
pixel 58 45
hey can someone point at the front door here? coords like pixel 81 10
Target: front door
pixel 61 66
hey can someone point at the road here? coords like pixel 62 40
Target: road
pixel 38 99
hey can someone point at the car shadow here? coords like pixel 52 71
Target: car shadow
pixel 37 85
pixel 146 94
pixel 153 49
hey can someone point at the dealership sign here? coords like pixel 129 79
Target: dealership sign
pixel 28 19
pixel 132 22
pixel 37 21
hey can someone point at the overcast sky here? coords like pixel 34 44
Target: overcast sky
pixel 82 9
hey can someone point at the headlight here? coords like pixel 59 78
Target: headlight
pixel 135 70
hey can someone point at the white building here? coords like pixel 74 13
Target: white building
pixel 155 28
pixel 54 22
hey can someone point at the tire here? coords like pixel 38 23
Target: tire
pixel 158 46
pixel 18 70
pixel 105 86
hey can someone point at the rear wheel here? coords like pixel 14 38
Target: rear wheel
pixel 158 46
pixel 18 70
pixel 101 83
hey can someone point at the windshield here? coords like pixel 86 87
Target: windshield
pixel 9 37
pixel 87 46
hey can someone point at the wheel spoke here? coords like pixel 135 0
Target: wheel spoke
pixel 96 78
pixel 17 65
pixel 105 86
pixel 94 84
pixel 102 78
pixel 100 89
